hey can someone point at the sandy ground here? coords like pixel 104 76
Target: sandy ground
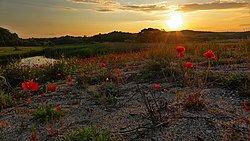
pixel 37 60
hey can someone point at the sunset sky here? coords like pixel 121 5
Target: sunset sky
pixel 50 18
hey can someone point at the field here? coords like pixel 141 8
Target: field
pixel 8 54
pixel 127 91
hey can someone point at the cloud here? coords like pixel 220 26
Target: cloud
pixel 160 6
pixel 85 1
pixel 102 5
pixel 186 7
pixel 111 6
pixel 244 25
pixel 212 6
pixel 68 8
pixel 104 9
pixel 146 8
pixel 102 2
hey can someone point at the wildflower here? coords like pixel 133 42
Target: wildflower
pixel 118 72
pixel 69 79
pixel 115 58
pixel 165 90
pixel 80 76
pixel 52 87
pixel 180 55
pixel 189 65
pixel 245 106
pixel 42 95
pixel 209 54
pixel 59 74
pixel 103 65
pixel 58 108
pixel 231 59
pixel 180 49
pixel 156 86
pixel 33 86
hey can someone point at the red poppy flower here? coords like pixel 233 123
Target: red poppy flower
pixel 118 72
pixel 189 65
pixel 69 79
pixel 58 108
pixel 52 87
pixel 157 86
pixel 180 55
pixel 180 49
pixel 231 59
pixel 33 86
pixel 115 58
pixel 209 54
pixel 43 95
pixel 245 106
pixel 80 76
pixel 103 65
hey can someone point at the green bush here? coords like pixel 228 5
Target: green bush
pixel 239 82
pixel 110 89
pixel 41 114
pixel 15 75
pixel 89 133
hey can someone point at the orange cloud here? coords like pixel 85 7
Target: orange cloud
pixel 212 6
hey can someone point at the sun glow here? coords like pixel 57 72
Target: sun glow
pixel 175 21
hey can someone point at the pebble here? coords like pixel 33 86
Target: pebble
pixel 209 131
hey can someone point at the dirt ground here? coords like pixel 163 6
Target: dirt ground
pixel 222 117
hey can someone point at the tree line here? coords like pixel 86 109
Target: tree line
pixel 148 35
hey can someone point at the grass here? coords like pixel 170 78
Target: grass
pixel 43 114
pixel 89 133
pixel 239 82
pixel 9 54
pixel 16 74
pixel 5 51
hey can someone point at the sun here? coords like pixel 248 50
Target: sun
pixel 175 21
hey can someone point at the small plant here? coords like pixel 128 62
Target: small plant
pixel 81 81
pixel 89 133
pixel 145 75
pixel 42 115
pixel 154 66
pixel 151 102
pixel 109 89
pixel 239 82
pixel 5 100
pixel 193 97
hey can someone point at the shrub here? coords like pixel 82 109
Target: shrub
pixel 15 75
pixel 42 113
pixel 239 82
pixel 108 89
